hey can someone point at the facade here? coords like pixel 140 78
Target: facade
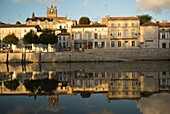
pixel 19 31
pixel 122 31
pixel 51 21
pixel 64 40
pixel 164 35
pixel 149 35
pixel 89 36
pixel 124 85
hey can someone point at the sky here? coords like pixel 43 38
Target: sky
pixel 19 10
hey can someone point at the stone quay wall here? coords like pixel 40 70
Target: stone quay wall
pixel 93 55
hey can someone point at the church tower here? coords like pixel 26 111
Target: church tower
pixel 52 11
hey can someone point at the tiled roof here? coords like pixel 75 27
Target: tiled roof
pixel 16 25
pixel 46 18
pixel 63 34
pixel 123 18
pixel 164 24
pixel 150 24
pixel 88 26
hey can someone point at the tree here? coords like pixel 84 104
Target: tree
pixel 84 20
pixel 31 38
pixel 10 39
pixel 18 23
pixel 48 37
pixel 144 18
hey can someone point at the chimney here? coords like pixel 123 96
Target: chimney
pixel 155 21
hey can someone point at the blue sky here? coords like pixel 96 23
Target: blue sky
pixel 14 10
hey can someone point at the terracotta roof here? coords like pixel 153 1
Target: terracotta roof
pixel 123 18
pixel 16 25
pixel 164 24
pixel 150 24
pixel 88 26
pixel 63 34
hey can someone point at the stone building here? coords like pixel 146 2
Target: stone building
pixel 164 35
pixel 19 30
pixel 64 40
pixel 149 35
pixel 89 36
pixel 122 31
pixel 51 21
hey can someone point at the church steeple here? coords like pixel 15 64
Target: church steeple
pixel 33 15
pixel 52 11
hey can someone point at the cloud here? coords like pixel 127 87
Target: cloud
pixel 156 6
pixel 156 104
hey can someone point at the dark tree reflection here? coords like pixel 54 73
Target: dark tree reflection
pixel 43 86
pixel 12 84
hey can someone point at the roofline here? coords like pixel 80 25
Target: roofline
pixel 87 26
pixel 17 25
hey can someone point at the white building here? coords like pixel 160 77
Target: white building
pixel 19 31
pixel 164 35
pixel 89 36
pixel 122 31
pixel 64 40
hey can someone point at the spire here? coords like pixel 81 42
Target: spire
pixel 33 15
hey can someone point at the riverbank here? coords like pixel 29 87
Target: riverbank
pixel 94 55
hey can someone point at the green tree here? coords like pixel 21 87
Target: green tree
pixel 48 37
pixel 10 39
pixel 144 18
pixel 31 38
pixel 84 20
pixel 18 23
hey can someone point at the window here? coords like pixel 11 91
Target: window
pixel 103 44
pixel 89 35
pixel 126 24
pixel 163 45
pixel 133 43
pixel 112 33
pixel 133 24
pixel 163 35
pixel 119 43
pixel 112 25
pixel 169 45
pixel 133 33
pixel 119 25
pixel 46 22
pixel 112 44
pixel 64 38
pixel 126 33
pixel 95 35
pixel 96 44
pixel 119 33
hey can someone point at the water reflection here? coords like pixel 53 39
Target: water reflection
pixel 112 86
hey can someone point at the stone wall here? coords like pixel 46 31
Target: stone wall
pixel 95 55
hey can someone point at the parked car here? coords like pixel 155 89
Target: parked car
pixel 6 50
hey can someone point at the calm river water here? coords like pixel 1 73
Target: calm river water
pixel 85 88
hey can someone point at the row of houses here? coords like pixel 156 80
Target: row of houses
pixel 112 32
pixel 116 85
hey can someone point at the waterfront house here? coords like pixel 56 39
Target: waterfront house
pixel 123 32
pixel 89 36
pixel 149 35
pixel 164 35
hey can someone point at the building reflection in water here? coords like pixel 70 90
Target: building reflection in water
pixel 117 81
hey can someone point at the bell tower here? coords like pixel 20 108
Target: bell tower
pixel 52 11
